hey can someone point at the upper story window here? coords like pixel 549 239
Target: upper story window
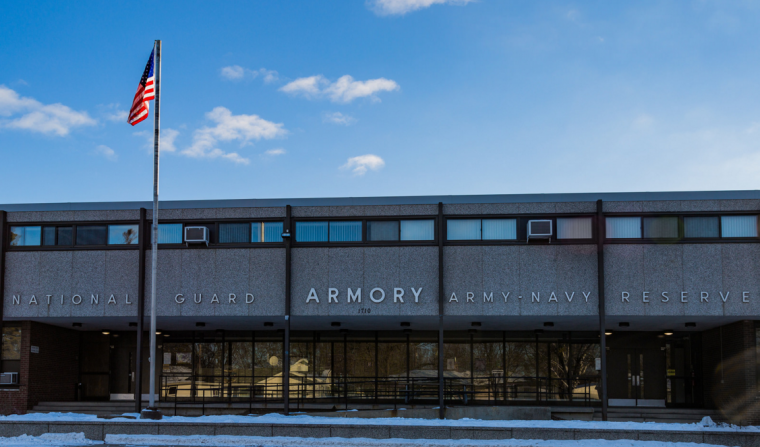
pixel 22 236
pixel 250 232
pixel 170 233
pixel 123 234
pixel 481 229
pixel 377 230
pixel 574 228
pixel 675 227
pixel 738 226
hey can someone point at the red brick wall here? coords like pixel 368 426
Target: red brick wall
pixel 730 372
pixel 14 402
pixel 50 375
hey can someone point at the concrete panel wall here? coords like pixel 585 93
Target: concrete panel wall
pixel 71 283
pixel 254 277
pixel 682 279
pixel 384 268
pixel 520 280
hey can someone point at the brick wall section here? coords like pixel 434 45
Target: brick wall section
pixel 50 375
pixel 730 372
pixel 54 372
pixel 15 402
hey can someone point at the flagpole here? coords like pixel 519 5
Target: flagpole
pixel 152 412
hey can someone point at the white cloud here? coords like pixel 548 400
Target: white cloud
pixel 118 116
pixel 359 165
pixel 229 127
pixel 233 72
pixel 642 122
pixel 275 152
pixel 106 152
pixel 338 118
pixel 237 73
pixel 401 7
pixel 573 15
pixel 344 90
pixel 168 136
pixel 30 114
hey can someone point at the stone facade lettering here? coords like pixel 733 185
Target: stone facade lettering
pixel 704 297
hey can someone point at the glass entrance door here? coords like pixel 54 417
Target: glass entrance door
pixel 636 378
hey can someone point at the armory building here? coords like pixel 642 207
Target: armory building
pixel 375 302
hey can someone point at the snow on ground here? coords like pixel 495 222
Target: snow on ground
pixel 58 439
pixel 706 425
pixel 78 439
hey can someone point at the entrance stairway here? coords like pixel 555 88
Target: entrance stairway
pixel 641 414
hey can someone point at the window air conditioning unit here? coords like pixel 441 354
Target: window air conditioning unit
pixel 196 235
pixel 539 229
pixel 8 378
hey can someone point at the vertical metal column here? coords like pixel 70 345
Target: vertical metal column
pixel 140 311
pixel 441 400
pixel 602 315
pixel 3 243
pixel 286 365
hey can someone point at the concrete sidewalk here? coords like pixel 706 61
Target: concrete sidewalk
pixel 97 431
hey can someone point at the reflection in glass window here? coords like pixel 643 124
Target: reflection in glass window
pixel 122 234
pixel 170 233
pixel 738 226
pixel 418 230
pixel 233 232
pixel 311 231
pixel 92 235
pixel 661 227
pixel 48 236
pixel 573 228
pixel 25 236
pixel 499 229
pixel 65 235
pixel 266 232
pixel 700 226
pixel 623 227
pixel 346 231
pixel 383 230
pixel 11 343
pixel 463 229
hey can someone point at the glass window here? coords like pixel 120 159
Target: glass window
pixel 233 232
pixel 272 231
pixel 311 231
pixel 25 236
pixel 11 343
pixel 463 229
pixel 499 229
pixel 48 236
pixel 737 226
pixel 623 227
pixel 122 234
pixel 65 235
pixel 661 227
pixel 700 226
pixel 345 231
pixel 383 230
pixel 170 233
pixel 418 230
pixel 573 228
pixel 92 235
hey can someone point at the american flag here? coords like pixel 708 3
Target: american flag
pixel 145 92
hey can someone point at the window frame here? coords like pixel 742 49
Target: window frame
pixel 522 229
pixel 682 239
pixel 365 242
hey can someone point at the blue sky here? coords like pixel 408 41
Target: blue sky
pixel 385 97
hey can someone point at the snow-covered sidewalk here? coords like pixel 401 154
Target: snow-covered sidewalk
pixel 706 425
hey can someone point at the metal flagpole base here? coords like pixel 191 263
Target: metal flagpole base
pixel 151 413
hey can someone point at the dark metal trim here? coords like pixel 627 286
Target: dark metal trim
pixel 140 311
pixel 287 224
pixel 441 401
pixel 600 293
pixel 3 239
